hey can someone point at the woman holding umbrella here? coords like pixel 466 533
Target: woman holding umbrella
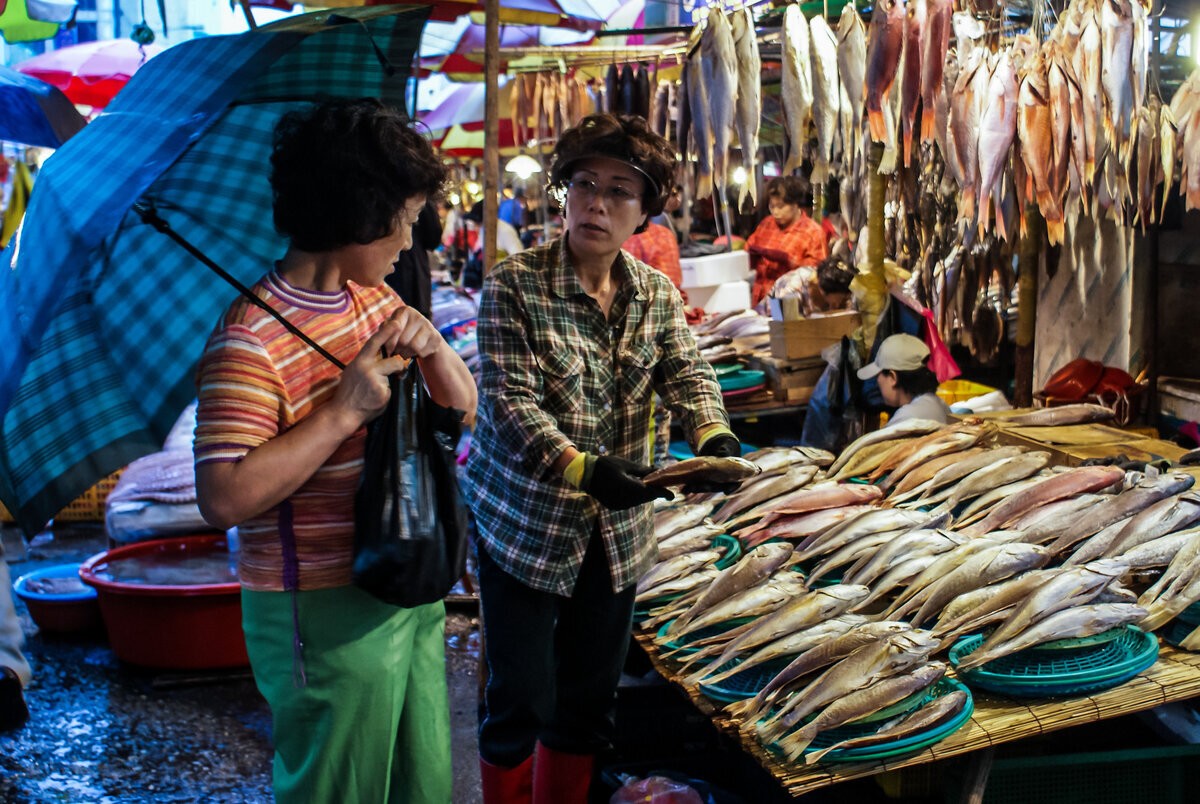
pixel 356 687
pixel 575 338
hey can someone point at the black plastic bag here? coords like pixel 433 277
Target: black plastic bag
pixel 410 534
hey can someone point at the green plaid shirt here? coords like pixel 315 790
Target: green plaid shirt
pixel 557 374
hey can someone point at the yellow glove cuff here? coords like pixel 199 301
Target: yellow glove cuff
pixel 710 434
pixel 573 474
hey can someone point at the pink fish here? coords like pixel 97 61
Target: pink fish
pixel 910 86
pixel 935 46
pixel 884 47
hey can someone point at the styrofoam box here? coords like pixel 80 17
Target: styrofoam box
pixel 715 269
pixel 723 298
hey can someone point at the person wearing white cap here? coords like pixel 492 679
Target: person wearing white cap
pixel 905 381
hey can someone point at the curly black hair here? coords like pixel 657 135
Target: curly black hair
pixel 834 275
pixel 628 138
pixel 342 170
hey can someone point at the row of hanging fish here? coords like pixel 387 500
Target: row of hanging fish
pixel 1049 557
pixel 545 104
pixel 719 94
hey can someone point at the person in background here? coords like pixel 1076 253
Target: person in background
pixel 356 687
pixel 412 276
pixel 508 242
pixel 832 290
pixel 657 247
pixel 459 238
pixel 905 381
pixel 667 216
pixel 14 668
pixel 513 209
pixel 575 337
pixel 786 239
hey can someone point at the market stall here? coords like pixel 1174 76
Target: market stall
pixel 994 536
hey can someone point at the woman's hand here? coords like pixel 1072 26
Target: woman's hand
pixel 362 393
pixel 411 335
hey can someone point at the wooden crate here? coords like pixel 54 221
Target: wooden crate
pixel 791 381
pixel 807 337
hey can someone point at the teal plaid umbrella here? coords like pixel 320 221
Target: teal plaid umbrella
pixel 102 317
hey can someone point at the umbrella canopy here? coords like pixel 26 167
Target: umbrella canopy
pixel 93 72
pixel 464 105
pixel 34 113
pixel 456 49
pixel 466 142
pixel 103 318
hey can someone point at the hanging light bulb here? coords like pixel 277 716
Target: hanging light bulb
pixel 523 165
pixel 739 175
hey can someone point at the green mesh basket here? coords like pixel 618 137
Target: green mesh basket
pixel 1044 673
pixel 899 747
pixel 746 684
pixel 730 546
pixel 685 645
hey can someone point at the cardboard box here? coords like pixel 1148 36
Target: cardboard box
pixel 807 337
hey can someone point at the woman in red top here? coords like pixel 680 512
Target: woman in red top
pixel 785 240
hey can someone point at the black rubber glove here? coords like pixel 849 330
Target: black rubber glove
pixel 721 446
pixel 616 483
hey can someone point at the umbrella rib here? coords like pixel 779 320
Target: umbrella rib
pixel 149 214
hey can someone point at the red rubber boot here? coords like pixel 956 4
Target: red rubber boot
pixel 560 778
pixel 506 785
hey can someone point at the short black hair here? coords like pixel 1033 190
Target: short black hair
pixel 917 381
pixel 626 137
pixel 791 190
pixel 343 169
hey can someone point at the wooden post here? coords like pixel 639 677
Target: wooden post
pixel 1028 264
pixel 491 128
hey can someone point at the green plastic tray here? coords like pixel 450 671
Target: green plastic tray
pixel 907 745
pixel 1031 673
pixel 732 548
pixel 741 380
pixel 724 369
pixel 744 685
pixel 685 645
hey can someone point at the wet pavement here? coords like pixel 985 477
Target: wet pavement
pixel 104 731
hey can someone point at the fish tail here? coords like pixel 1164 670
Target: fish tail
pixel 878 126
pixel 1000 226
pixel 927 130
pixel 1055 231
pixel 797 741
pixel 966 207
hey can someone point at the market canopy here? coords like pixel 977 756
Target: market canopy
pixel 90 73
pixel 34 113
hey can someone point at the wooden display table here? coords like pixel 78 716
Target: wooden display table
pixel 1174 677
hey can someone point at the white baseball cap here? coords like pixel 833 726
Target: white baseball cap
pixel 896 353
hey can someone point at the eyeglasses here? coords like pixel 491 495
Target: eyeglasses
pixel 586 189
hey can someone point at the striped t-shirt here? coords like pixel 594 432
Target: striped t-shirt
pixel 256 380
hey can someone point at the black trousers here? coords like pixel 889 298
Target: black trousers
pixel 553 662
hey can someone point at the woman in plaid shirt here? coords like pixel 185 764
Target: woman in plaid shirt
pixel 575 337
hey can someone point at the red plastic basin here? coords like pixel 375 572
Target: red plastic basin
pixel 60 611
pixel 169 626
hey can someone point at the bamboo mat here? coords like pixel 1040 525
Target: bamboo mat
pixel 1175 676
